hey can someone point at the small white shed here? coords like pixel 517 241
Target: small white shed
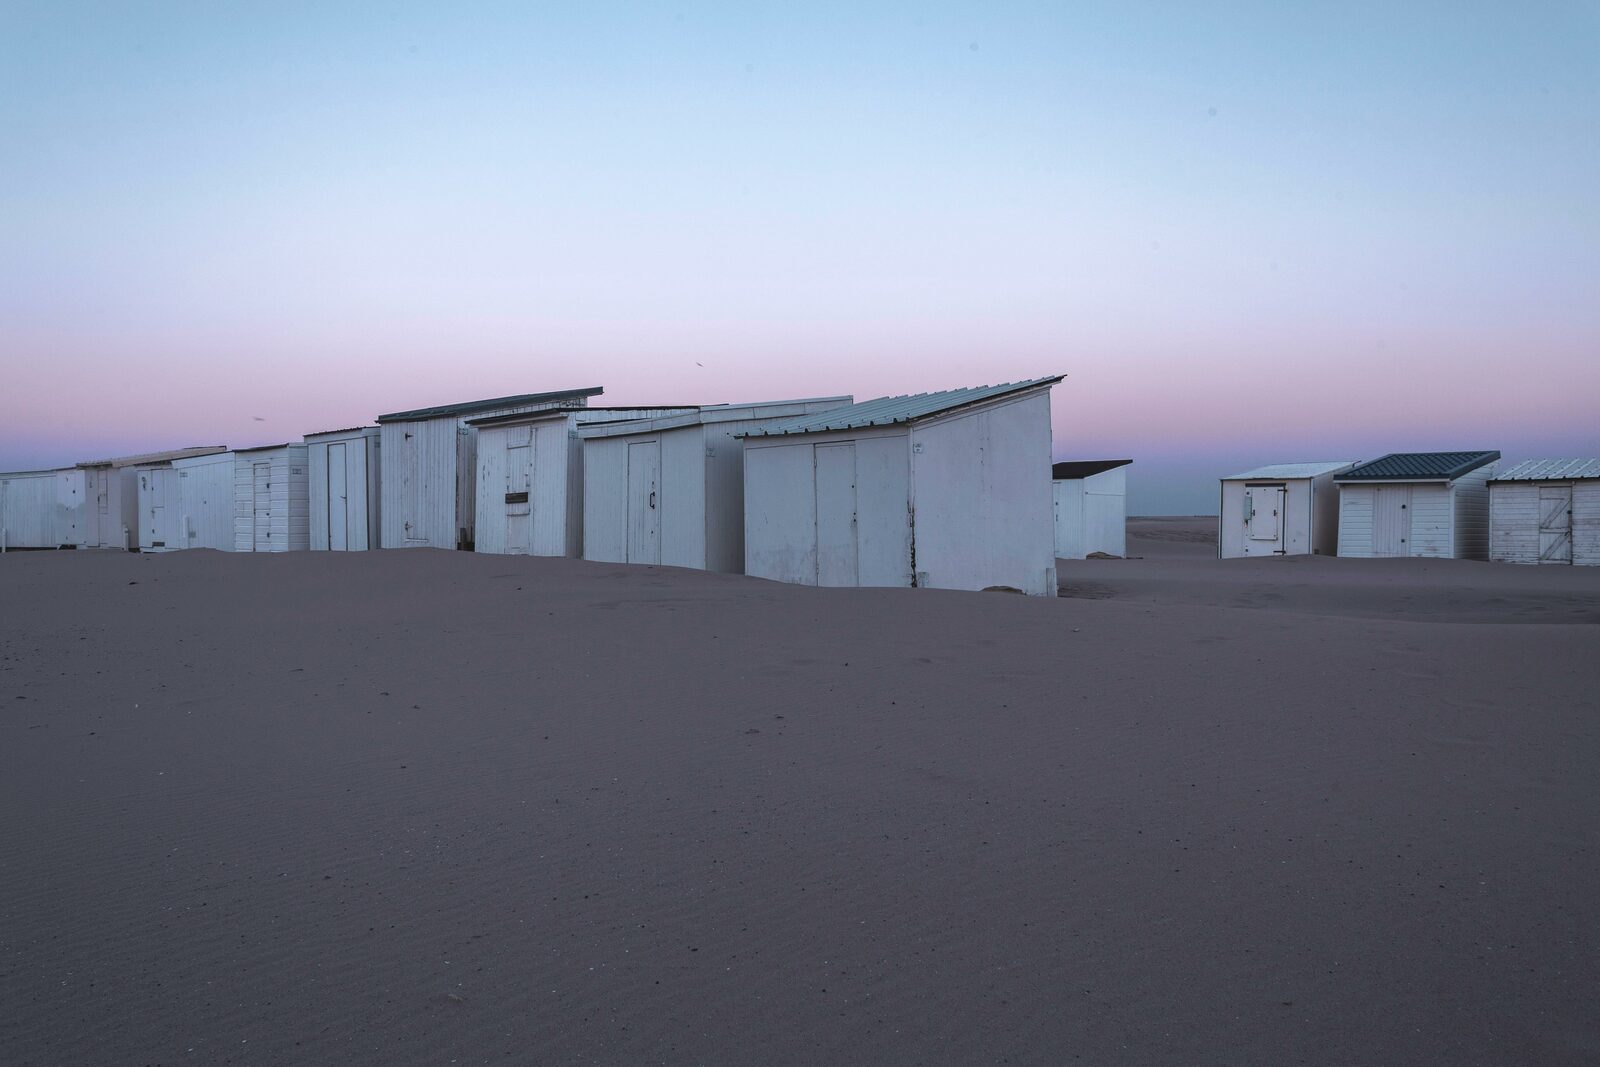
pixel 1546 511
pixel 111 495
pixel 1091 507
pixel 343 489
pixel 1283 509
pixel 530 477
pixel 271 501
pixel 429 476
pixel 1424 504
pixel 671 490
pixel 942 490
pixel 187 503
pixel 41 509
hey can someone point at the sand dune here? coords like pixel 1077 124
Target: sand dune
pixel 425 807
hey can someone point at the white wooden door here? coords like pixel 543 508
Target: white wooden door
pixel 1263 508
pixel 1391 520
pixel 519 489
pixel 69 509
pixel 414 487
pixel 1555 524
pixel 360 531
pixel 644 502
pixel 338 499
pixel 837 550
pixel 160 486
pixel 261 476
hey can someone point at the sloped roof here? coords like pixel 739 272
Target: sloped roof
pixel 269 448
pixel 1288 471
pixel 369 430
pixel 890 410
pixel 1550 470
pixel 1084 468
pixel 471 406
pixel 1418 466
pixel 148 458
pixel 585 414
pixel 773 410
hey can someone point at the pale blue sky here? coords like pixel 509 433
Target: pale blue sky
pixel 1248 233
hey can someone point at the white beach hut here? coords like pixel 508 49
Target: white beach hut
pixel 1283 509
pixel 1546 511
pixel 429 476
pixel 1091 507
pixel 670 490
pixel 530 477
pixel 111 495
pixel 343 489
pixel 271 502
pixel 1428 504
pixel 187 503
pixel 41 509
pixel 942 490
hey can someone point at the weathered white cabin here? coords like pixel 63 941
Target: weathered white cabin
pixel 343 489
pixel 271 500
pixel 1283 509
pixel 1427 504
pixel 671 490
pixel 1546 511
pixel 945 490
pixel 187 503
pixel 111 495
pixel 1091 507
pixel 429 475
pixel 41 509
pixel 530 477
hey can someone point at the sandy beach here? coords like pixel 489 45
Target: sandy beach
pixel 429 807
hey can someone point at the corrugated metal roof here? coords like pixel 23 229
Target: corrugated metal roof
pixel 156 457
pixel 1418 466
pixel 269 448
pixel 1550 470
pixel 890 410
pixel 774 410
pixel 1084 468
pixel 585 414
pixel 1286 471
pixel 348 429
pixel 471 406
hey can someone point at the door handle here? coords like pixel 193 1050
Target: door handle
pixel 652 498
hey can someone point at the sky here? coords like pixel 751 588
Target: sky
pixel 1247 233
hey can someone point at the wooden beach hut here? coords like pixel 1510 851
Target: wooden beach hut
pixel 1283 509
pixel 1091 507
pixel 271 505
pixel 111 495
pixel 428 478
pixel 342 489
pixel 1420 504
pixel 530 477
pixel 1546 511
pixel 187 503
pixel 670 490
pixel 947 490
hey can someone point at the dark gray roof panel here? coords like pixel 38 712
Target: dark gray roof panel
pixel 1084 468
pixel 471 406
pixel 1418 466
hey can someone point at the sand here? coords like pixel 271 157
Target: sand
pixel 426 807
